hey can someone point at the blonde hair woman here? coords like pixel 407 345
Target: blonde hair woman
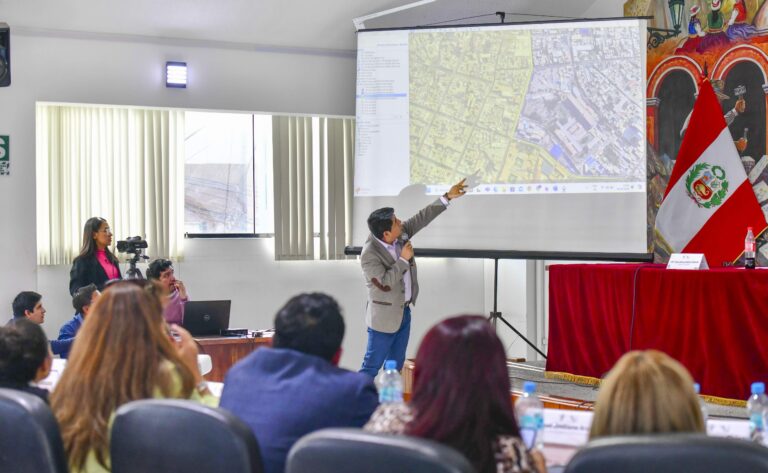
pixel 123 353
pixel 646 392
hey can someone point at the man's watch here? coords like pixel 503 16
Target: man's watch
pixel 446 197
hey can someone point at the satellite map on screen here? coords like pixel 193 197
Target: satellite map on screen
pixel 522 106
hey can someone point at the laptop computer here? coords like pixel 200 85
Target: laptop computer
pixel 206 317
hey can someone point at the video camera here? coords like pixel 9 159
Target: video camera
pixel 135 246
pixel 132 245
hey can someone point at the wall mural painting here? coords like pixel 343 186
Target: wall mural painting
pixel 726 40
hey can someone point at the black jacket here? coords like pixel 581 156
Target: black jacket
pixel 87 271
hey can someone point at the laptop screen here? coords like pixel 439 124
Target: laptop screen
pixel 206 317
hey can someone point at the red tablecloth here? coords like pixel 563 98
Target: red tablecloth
pixel 715 321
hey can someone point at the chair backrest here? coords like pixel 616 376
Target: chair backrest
pixel 354 450
pixel 30 440
pixel 156 435
pixel 669 453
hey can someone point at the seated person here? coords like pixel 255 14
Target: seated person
pixel 295 388
pixel 646 392
pixel 161 270
pixel 29 305
pixel 461 399
pixel 24 357
pixel 83 300
pixel 124 353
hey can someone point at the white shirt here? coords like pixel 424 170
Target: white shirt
pixel 393 250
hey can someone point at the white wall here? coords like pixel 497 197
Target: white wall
pixel 110 70
pixel 117 72
pixel 605 9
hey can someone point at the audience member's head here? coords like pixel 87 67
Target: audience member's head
pixel 124 353
pixel 162 270
pixel 312 324
pixel 24 353
pixel 29 304
pixel 461 392
pixel 646 392
pixel 151 287
pixel 84 299
pixel 381 221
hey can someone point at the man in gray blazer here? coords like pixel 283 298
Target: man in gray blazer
pixel 390 276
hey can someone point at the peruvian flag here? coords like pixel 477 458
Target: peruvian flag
pixel 709 202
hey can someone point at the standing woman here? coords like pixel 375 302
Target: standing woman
pixel 95 264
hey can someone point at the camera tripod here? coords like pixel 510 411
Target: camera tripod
pixel 134 272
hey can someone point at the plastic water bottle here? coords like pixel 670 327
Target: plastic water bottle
pixel 749 249
pixel 756 405
pixel 702 405
pixel 390 383
pixel 530 417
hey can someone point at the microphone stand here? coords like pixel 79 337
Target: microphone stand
pixel 496 315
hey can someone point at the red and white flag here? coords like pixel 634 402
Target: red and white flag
pixel 709 202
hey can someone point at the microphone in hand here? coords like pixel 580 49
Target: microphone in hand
pixel 407 252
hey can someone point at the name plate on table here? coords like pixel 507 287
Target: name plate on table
pixel 571 428
pixel 687 261
pixel 564 427
pixel 728 428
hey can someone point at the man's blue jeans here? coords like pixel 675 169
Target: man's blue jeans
pixel 387 346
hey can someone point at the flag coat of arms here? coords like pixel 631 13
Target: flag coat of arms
pixel 709 201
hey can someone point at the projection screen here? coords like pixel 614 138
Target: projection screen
pixel 545 120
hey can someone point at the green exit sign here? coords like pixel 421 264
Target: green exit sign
pixel 5 155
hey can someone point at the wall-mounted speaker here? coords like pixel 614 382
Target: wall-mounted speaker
pixel 5 55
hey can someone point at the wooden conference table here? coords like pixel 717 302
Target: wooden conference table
pixel 226 351
pixel 715 322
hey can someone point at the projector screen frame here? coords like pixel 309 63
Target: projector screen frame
pixel 636 257
pixel 481 25
pixel 520 255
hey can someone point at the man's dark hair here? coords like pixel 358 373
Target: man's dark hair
pixel 23 349
pixel 83 297
pixel 158 266
pixel 25 300
pixel 380 221
pixel 310 323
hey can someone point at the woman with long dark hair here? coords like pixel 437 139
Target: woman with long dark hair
pixel 95 264
pixel 461 398
pixel 123 353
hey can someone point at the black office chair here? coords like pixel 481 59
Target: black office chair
pixel 30 440
pixel 354 450
pixel 161 436
pixel 678 453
